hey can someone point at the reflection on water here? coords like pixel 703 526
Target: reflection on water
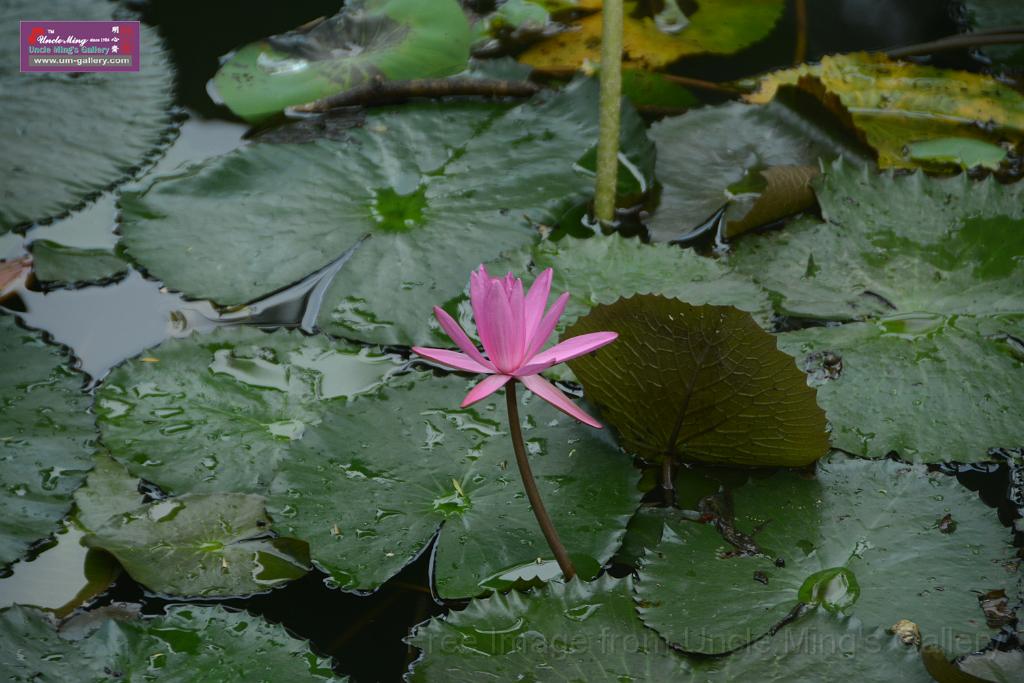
pixel 52 578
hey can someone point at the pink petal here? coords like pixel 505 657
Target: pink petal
pixel 502 340
pixel 567 350
pixel 536 301
pixel 479 281
pixel 547 326
pixel 547 391
pixel 452 359
pixel 485 389
pixel 508 282
pixel 517 302
pixel 461 339
pixel 483 315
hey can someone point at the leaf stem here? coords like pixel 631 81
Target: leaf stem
pixel 532 494
pixel 1003 36
pixel 800 48
pixel 611 103
pixel 667 487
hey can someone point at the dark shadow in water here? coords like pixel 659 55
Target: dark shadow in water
pixel 363 633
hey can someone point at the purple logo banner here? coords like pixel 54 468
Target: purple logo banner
pixel 80 46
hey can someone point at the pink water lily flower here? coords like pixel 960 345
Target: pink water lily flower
pixel 513 327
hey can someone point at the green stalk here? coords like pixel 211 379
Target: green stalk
pixel 611 95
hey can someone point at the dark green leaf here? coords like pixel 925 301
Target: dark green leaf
pixel 189 641
pixel 900 384
pixel 576 631
pixel 895 245
pixel 438 189
pixel 53 262
pixel 208 545
pixel 863 538
pixel 590 632
pixel 219 412
pixel 370 486
pixel 699 382
pixel 50 162
pixel 45 439
pixel 109 490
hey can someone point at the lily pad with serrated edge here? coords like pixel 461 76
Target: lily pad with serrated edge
pixel 370 487
pixel 46 437
pixel 934 267
pixel 227 646
pixel 927 387
pixel 438 189
pixel 67 136
pixel 60 264
pixel 701 383
pixel 589 631
pixel 863 538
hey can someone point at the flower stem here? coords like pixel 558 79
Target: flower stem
pixel 611 103
pixel 539 511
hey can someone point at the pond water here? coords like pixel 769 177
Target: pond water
pixel 105 325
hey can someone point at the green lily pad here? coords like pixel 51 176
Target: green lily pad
pixel 930 388
pixel 705 155
pixel 49 164
pixel 963 152
pixel 896 245
pixel 46 438
pixel 109 490
pixel 863 538
pixel 938 264
pixel 57 263
pixel 437 188
pixel 700 383
pixel 217 413
pixel 997 14
pixel 202 544
pixel 576 631
pixel 590 632
pixel 369 39
pixel 370 486
pixel 821 647
pixel 209 545
pixel 223 645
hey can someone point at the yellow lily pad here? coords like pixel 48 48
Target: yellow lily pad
pixel 893 105
pixel 717 27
